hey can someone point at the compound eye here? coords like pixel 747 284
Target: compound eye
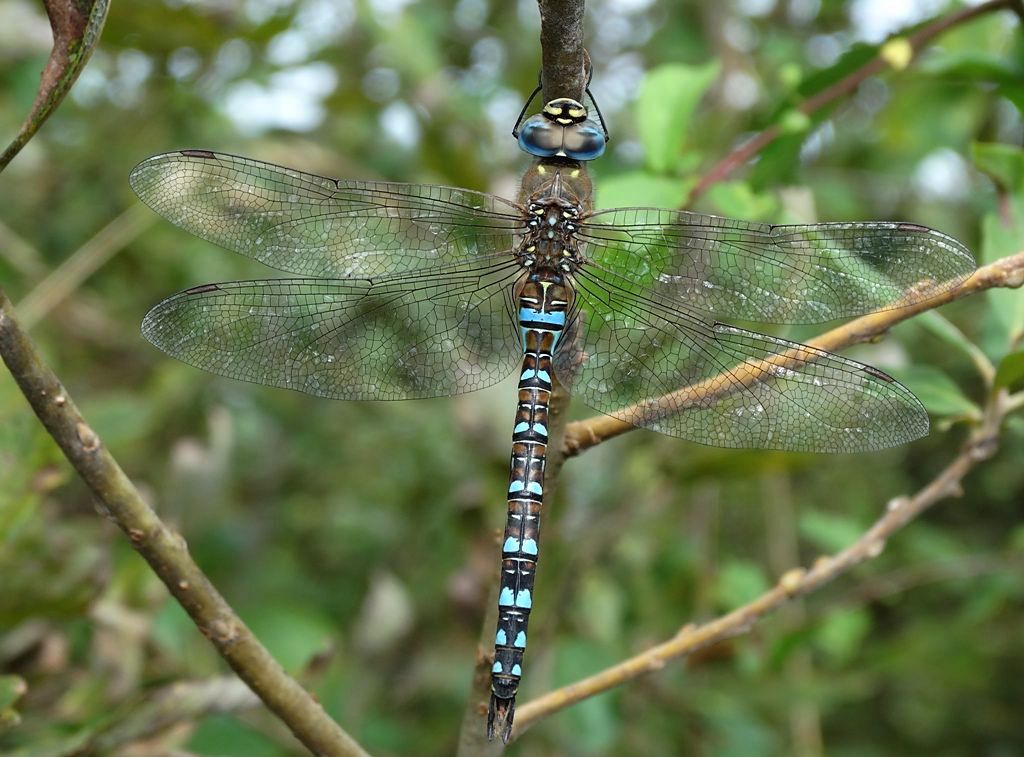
pixel 540 137
pixel 584 141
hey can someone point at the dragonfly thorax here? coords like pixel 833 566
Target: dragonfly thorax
pixel 550 242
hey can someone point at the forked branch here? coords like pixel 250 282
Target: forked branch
pixel 981 445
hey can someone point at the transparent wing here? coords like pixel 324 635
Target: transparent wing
pixel 668 370
pixel 418 336
pixel 316 226
pixel 773 274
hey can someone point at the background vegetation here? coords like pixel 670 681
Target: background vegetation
pixel 358 540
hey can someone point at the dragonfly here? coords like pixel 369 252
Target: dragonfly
pixel 402 291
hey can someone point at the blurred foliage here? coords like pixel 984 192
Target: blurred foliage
pixel 359 539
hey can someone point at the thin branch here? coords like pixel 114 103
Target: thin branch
pixel 76 26
pixel 177 703
pixel 85 261
pixel 164 549
pixel 20 254
pixel 795 582
pixel 916 41
pixel 581 435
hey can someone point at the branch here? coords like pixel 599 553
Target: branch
pixel 181 702
pixel 581 435
pixel 84 262
pixel 561 40
pixel 76 26
pixel 164 550
pixel 884 59
pixel 796 582
pixel 563 74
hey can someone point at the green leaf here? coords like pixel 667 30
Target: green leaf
pixel 943 328
pixel 594 724
pixel 937 391
pixel 739 582
pixel 603 604
pixel 974 65
pixel 1010 371
pixel 1004 164
pixel 829 531
pixel 227 735
pixel 738 200
pixel 841 633
pixel 1016 540
pixel 11 690
pixel 1002 236
pixel 292 634
pixel 642 189
pixel 939 326
pixel 668 99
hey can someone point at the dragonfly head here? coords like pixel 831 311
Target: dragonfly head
pixel 562 130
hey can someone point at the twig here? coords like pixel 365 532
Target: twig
pixel 917 41
pixel 164 550
pixel 107 242
pixel 796 582
pixel 21 255
pixel 180 702
pixel 1007 272
pixel 76 26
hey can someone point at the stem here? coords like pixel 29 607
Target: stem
pixel 794 583
pixel 563 72
pixel 164 549
pixel 1007 272
pixel 917 40
pixel 85 261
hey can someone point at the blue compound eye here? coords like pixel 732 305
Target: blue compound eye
pixel 540 137
pixel 583 141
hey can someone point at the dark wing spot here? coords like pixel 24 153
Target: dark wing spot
pixel 880 375
pixel 205 154
pixel 202 288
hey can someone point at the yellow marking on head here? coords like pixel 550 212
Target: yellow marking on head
pixel 541 170
pixel 574 173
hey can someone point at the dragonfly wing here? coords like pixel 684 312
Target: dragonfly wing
pixel 418 336
pixel 773 274
pixel 655 366
pixel 316 226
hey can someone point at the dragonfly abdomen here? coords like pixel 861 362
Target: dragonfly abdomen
pixel 542 312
